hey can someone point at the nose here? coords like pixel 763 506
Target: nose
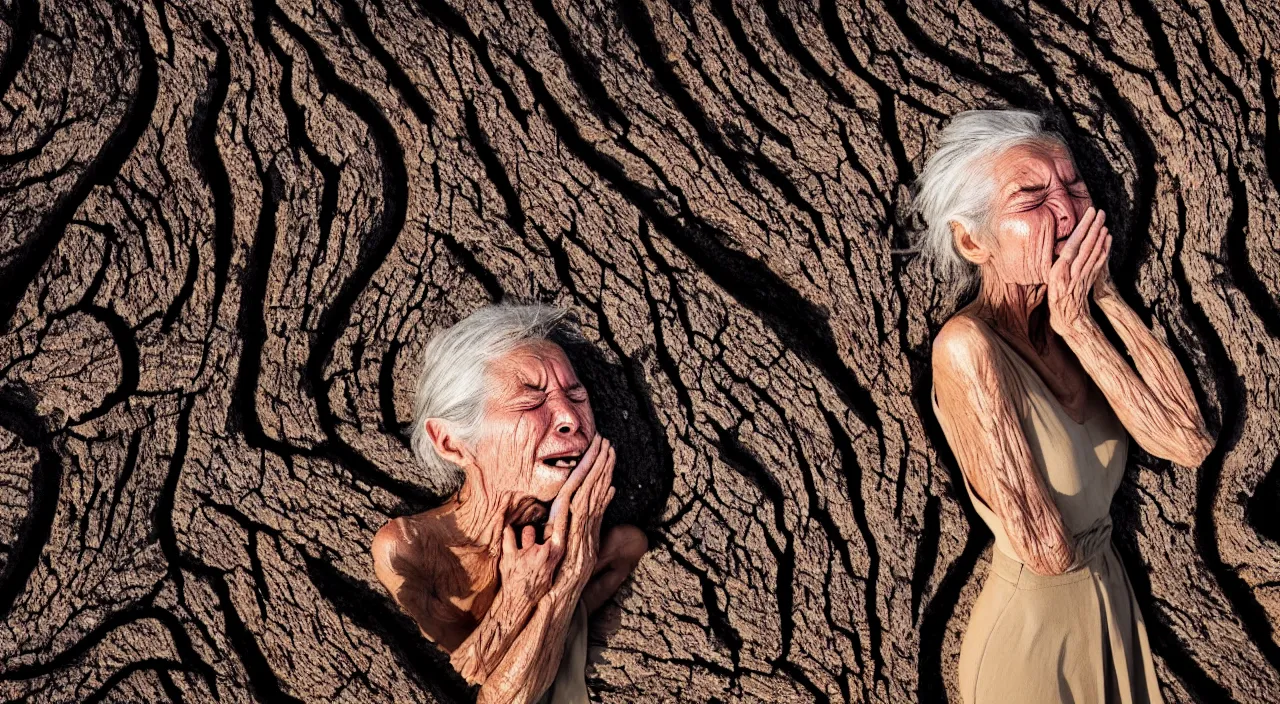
pixel 565 418
pixel 1064 214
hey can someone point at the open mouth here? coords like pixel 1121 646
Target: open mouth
pixel 563 461
pixel 529 512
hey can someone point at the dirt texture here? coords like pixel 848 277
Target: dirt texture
pixel 227 230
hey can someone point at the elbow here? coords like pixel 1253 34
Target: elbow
pixel 1051 560
pixel 1182 446
pixel 1202 446
pixel 468 668
pixel 1052 565
pixel 1193 450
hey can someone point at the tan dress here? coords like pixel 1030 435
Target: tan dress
pixel 1076 637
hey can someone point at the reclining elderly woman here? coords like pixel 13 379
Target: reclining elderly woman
pixel 503 574
pixel 1035 402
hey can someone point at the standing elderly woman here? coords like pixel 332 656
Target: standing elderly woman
pixel 1035 403
pixel 495 577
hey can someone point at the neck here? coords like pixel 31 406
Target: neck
pixel 479 512
pixel 1014 309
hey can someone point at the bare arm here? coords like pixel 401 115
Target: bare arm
pixel 410 570
pixel 502 624
pixel 404 568
pixel 530 665
pixel 973 384
pixel 1155 404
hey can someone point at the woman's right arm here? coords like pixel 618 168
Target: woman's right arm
pixel 407 574
pixel 972 383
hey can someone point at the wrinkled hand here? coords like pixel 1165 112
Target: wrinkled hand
pixel 1104 287
pixel 577 512
pixel 1076 273
pixel 527 569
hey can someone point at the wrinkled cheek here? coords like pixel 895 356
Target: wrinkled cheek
pixel 524 443
pixel 1040 257
pixel 1039 251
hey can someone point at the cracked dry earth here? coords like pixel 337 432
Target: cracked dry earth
pixel 227 230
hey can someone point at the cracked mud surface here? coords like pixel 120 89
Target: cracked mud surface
pixel 227 230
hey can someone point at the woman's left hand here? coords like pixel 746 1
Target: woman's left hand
pixel 1078 270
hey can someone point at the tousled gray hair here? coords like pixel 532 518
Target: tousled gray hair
pixel 956 184
pixel 454 384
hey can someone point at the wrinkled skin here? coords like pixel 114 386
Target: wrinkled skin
pixel 1039 198
pixel 1041 257
pixel 493 576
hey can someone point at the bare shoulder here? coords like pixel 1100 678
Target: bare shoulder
pixel 398 548
pixel 964 348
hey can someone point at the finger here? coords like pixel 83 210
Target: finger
pixel 1091 240
pixel 529 538
pixel 599 502
pixel 1100 268
pixel 560 506
pixel 606 478
pixel 1099 234
pixel 508 540
pixel 582 497
pixel 1099 220
pixel 1082 227
pixel 559 530
pixel 1085 254
pixel 1087 271
pixel 1090 270
pixel 568 498
pixel 604 473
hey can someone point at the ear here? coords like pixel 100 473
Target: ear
pixel 447 443
pixel 967 244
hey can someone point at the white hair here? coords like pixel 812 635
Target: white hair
pixel 956 184
pixel 454 385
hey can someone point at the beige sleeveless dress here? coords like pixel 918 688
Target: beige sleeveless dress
pixel 1076 637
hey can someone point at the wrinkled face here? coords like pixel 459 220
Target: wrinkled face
pixel 1038 199
pixel 537 424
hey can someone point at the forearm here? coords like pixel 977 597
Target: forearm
pixel 982 427
pixel 1157 408
pixel 530 664
pixel 1156 364
pixel 481 652
pixel 1006 472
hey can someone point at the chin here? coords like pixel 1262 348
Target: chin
pixel 547 482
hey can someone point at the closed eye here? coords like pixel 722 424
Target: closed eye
pixel 1031 203
pixel 531 401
